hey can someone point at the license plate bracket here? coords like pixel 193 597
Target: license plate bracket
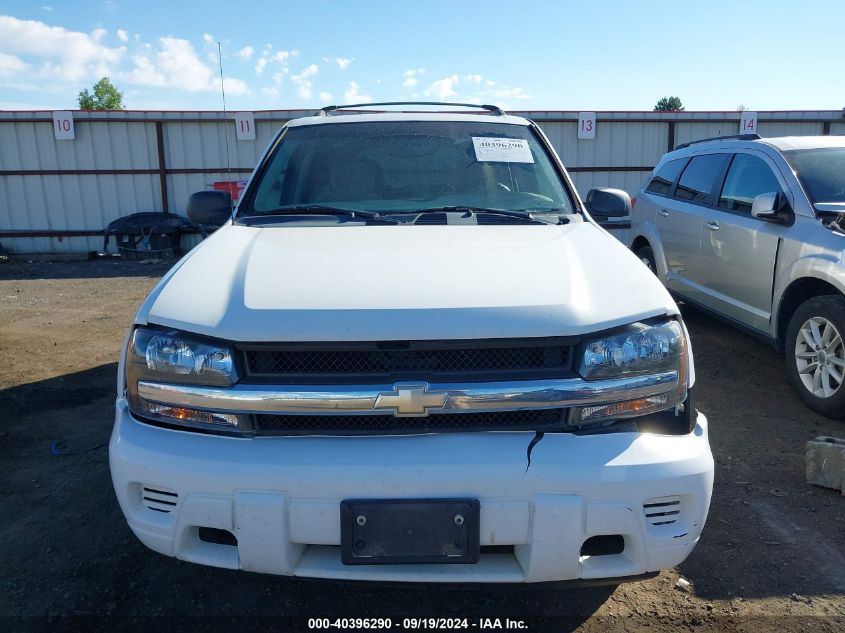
pixel 409 531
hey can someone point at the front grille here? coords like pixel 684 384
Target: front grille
pixel 479 360
pixel 533 420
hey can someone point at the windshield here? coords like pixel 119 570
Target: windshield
pixel 821 172
pixel 408 165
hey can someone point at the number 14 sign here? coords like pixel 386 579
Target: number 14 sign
pixel 587 125
pixel 748 123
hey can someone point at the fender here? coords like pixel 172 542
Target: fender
pixel 824 267
pixel 648 231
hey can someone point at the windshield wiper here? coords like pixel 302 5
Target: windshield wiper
pixel 524 214
pixel 320 209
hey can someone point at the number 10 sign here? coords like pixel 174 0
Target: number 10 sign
pixel 587 125
pixel 63 126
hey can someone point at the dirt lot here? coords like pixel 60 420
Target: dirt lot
pixel 772 556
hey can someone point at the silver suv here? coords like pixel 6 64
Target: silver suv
pixel 753 230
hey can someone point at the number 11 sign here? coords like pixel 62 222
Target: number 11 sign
pixel 587 125
pixel 245 126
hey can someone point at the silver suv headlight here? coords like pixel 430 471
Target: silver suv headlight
pixel 640 349
pixel 173 357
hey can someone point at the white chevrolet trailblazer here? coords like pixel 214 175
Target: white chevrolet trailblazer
pixel 412 354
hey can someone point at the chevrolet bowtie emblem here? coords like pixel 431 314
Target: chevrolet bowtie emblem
pixel 411 399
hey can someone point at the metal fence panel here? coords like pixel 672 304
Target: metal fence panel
pixel 119 161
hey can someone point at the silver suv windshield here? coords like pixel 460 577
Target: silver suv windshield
pixel 405 166
pixel 821 172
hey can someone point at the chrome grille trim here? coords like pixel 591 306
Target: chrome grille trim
pixel 370 399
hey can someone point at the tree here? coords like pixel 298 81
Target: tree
pixel 106 97
pixel 669 104
pixel 741 107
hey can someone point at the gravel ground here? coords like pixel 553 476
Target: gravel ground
pixel 772 556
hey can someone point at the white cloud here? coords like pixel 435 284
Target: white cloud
pixel 353 94
pixel 474 78
pixel 46 8
pixel 326 97
pixel 10 65
pixel 175 64
pixel 270 91
pixel 57 53
pixel 245 53
pixel 304 84
pixel 411 77
pixel 342 62
pixel 207 38
pixel 269 57
pixel 122 35
pixel 511 93
pixel 443 88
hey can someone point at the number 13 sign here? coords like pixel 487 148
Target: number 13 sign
pixel 587 125
pixel 63 126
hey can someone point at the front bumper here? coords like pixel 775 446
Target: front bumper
pixel 280 497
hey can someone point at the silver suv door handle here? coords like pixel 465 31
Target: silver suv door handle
pixel 713 226
pixel 664 213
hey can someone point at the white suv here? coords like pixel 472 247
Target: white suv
pixel 409 355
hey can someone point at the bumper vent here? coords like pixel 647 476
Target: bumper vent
pixel 158 499
pixel 539 419
pixel 477 360
pixel 662 511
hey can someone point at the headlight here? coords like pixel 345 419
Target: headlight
pixel 170 356
pixel 640 349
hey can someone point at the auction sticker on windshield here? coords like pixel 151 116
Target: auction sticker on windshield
pixel 502 150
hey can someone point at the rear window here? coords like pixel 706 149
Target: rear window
pixel 699 178
pixel 407 165
pixel 662 182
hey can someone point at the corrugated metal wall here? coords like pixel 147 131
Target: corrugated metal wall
pixel 119 162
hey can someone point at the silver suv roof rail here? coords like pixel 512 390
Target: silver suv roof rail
pixel 729 137
pixel 490 108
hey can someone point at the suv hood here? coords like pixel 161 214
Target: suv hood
pixel 351 283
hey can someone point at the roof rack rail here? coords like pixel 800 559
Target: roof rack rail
pixel 729 137
pixel 490 108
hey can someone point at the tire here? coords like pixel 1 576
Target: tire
pixel 815 354
pixel 646 256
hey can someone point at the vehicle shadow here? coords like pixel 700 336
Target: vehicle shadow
pixel 102 268
pixel 768 533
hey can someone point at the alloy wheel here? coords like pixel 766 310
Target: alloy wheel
pixel 820 357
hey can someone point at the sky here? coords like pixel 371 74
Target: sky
pixel 530 55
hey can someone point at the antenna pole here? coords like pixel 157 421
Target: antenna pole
pixel 225 117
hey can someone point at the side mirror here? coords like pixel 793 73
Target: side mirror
pixel 210 208
pixel 771 207
pixel 605 203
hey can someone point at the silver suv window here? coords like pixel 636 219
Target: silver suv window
pixel 699 178
pixel 665 177
pixel 821 172
pixel 748 177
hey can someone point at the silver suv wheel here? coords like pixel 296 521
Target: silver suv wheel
pixel 820 357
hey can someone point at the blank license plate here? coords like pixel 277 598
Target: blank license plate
pixel 396 531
